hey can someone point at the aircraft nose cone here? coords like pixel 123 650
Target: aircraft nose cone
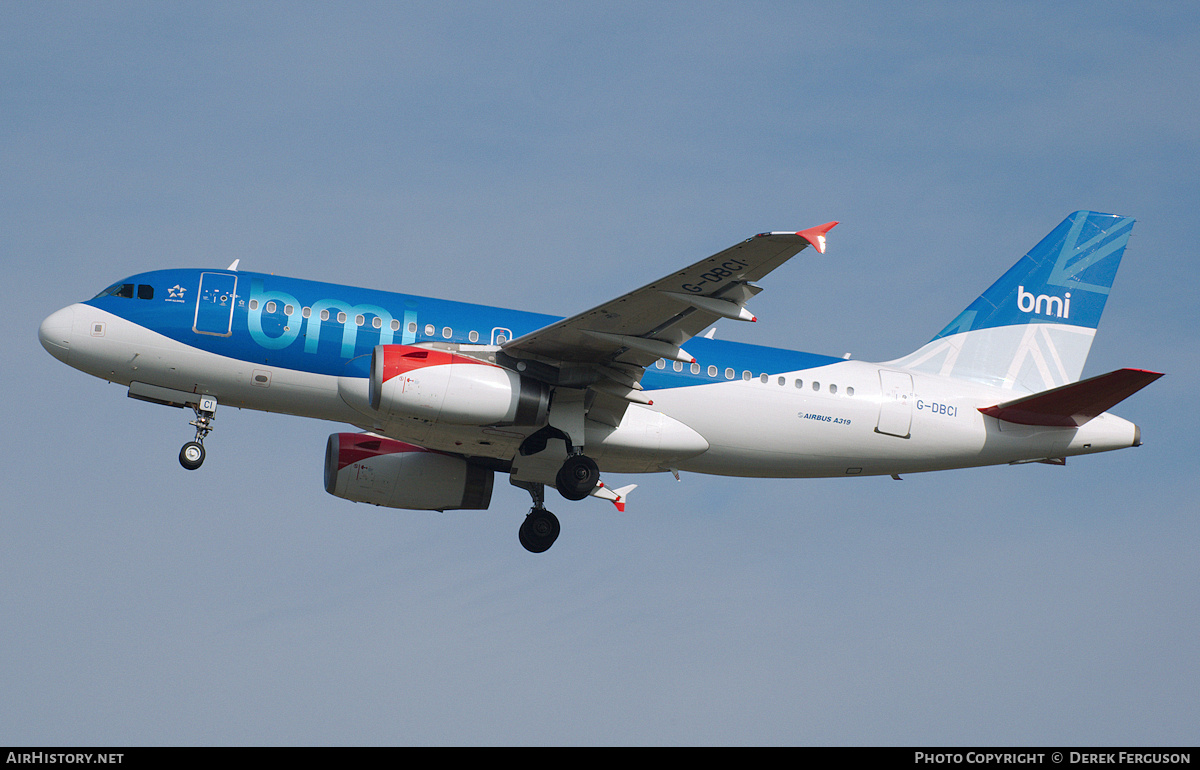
pixel 55 333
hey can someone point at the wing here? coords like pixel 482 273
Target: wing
pixel 620 337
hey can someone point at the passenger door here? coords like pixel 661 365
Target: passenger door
pixel 214 304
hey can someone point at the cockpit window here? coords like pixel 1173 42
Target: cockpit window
pixel 127 291
pixel 117 290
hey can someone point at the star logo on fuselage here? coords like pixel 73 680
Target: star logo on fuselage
pixel 176 292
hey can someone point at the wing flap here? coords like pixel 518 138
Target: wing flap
pixel 1074 404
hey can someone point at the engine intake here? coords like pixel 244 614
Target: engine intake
pixel 440 386
pixel 381 471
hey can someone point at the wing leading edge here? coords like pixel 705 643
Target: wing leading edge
pixel 653 322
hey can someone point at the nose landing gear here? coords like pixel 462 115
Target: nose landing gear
pixel 191 456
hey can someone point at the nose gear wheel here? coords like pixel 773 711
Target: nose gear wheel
pixel 191 456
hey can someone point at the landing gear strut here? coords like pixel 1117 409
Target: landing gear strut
pixel 191 456
pixel 540 528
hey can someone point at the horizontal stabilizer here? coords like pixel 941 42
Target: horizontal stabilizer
pixel 1072 405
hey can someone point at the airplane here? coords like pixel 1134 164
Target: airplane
pixel 445 394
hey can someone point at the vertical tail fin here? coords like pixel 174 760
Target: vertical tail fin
pixel 1032 330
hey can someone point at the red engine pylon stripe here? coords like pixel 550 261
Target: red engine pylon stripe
pixel 398 359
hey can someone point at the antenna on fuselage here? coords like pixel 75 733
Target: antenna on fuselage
pixel 234 265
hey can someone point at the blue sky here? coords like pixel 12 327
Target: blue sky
pixel 548 157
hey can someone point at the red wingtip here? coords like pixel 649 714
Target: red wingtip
pixel 816 235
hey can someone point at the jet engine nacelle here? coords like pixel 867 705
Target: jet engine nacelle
pixel 380 471
pixel 444 387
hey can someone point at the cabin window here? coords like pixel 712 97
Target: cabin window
pixel 833 388
pixel 660 364
pixel 849 391
pixel 695 368
pixel 341 318
pixel 306 312
pixel 746 375
pixel 289 310
pixel 271 306
pixel 729 373
pixel 447 333
pixel 395 325
pixel 677 366
pixel 359 320
pixel 473 336
pixel 712 371
pixel 412 327
pixel 377 322
pixel 782 381
pixel 816 385
pixel 799 383
pixel 763 378
pixel 325 315
pixel 428 330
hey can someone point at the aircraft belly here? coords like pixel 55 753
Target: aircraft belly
pixel 468 440
pixel 645 441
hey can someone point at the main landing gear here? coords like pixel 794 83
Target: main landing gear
pixel 540 528
pixel 191 456
pixel 577 478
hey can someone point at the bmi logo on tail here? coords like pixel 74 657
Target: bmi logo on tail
pixel 1030 304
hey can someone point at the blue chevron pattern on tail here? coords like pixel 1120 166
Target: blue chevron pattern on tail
pixel 1064 279
pixel 1033 328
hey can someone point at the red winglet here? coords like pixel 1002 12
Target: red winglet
pixel 816 235
pixel 1073 404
